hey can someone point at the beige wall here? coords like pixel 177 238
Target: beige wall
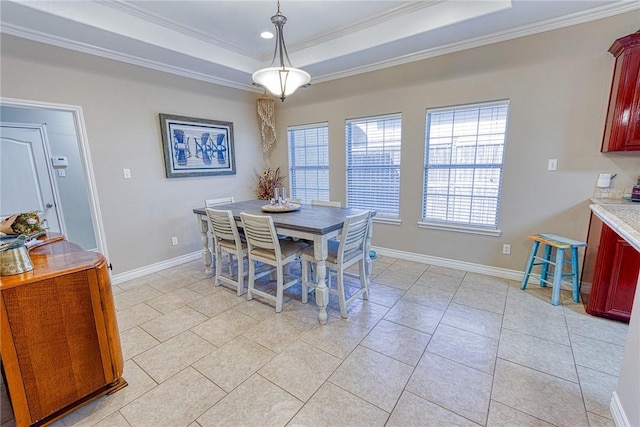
pixel 121 104
pixel 558 83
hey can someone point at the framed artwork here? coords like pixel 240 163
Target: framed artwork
pixel 197 147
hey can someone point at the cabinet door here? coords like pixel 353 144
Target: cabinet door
pixel 615 277
pixel 106 323
pixel 53 331
pixel 624 276
pixel 622 127
pixel 633 138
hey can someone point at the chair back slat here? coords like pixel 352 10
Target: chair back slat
pixel 354 233
pixel 222 225
pixel 226 238
pixel 260 232
pixel 219 201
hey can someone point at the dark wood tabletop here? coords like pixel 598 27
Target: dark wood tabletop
pixel 309 218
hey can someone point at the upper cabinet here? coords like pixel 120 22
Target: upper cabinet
pixel 622 128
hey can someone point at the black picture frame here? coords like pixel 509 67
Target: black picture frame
pixel 197 147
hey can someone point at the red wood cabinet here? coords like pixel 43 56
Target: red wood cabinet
pixel 622 127
pixel 60 343
pixel 609 274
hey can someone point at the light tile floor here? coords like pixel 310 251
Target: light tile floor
pixel 432 347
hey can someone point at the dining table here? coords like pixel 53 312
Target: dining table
pixel 314 223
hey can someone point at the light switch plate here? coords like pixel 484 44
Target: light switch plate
pixel 126 173
pixel 553 164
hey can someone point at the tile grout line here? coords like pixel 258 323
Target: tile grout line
pixel 369 328
pixel 575 365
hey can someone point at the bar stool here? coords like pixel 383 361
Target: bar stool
pixel 560 244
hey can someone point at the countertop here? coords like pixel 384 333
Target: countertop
pixel 622 216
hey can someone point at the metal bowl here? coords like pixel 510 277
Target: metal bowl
pixel 15 261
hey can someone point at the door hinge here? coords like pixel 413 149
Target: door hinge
pixel 110 267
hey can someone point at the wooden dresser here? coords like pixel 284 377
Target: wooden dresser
pixel 60 345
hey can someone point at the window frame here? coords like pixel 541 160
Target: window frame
pixel 381 216
pixel 292 168
pixel 459 226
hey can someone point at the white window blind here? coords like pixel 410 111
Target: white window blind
pixel 463 164
pixel 309 162
pixel 373 163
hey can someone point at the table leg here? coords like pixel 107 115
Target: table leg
pixel 322 292
pixel 207 258
pixel 368 265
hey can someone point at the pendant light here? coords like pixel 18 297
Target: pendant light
pixel 281 80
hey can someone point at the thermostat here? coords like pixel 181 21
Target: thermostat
pixel 59 162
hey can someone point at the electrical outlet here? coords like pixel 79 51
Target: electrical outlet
pixel 126 173
pixel 506 249
pixel 553 164
pixel 174 241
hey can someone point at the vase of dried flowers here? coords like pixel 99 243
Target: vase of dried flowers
pixel 269 180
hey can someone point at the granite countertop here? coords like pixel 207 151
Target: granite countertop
pixel 622 216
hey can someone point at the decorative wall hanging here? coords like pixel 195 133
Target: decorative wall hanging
pixel 266 121
pixel 197 147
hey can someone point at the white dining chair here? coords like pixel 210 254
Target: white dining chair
pixel 331 203
pixel 209 203
pixel 227 239
pixel 264 246
pixel 348 249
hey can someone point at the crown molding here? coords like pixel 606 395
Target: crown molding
pixel 364 24
pixel 121 57
pixel 155 19
pixel 552 24
pixel 514 33
pixel 404 9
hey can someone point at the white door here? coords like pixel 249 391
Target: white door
pixel 26 180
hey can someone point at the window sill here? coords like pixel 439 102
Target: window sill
pixel 460 228
pixel 387 220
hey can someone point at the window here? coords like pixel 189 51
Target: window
pixel 464 156
pixel 373 164
pixel 309 162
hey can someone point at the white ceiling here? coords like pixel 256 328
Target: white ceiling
pixel 219 42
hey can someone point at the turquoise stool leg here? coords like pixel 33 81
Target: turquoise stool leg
pixel 545 265
pixel 574 271
pixel 534 251
pixel 557 277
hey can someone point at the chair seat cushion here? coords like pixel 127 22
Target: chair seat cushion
pixel 287 249
pixel 332 252
pixel 230 244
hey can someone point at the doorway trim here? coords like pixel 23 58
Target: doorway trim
pixel 42 130
pixel 85 155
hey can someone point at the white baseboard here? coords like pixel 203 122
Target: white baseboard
pixel 153 268
pixel 452 263
pixel 617 411
pixel 408 256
